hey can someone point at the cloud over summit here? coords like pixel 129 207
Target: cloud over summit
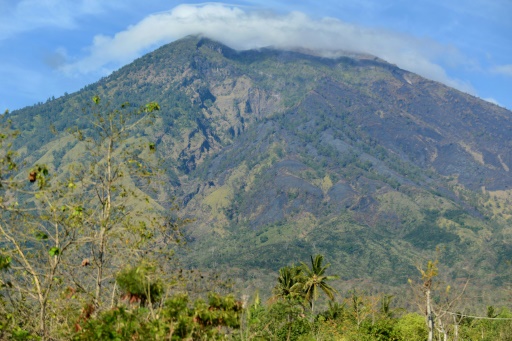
pixel 245 28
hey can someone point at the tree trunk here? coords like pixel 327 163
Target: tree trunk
pixel 430 317
pixel 99 275
pixel 104 222
pixel 42 324
pixel 456 329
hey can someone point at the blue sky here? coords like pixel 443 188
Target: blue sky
pixel 49 47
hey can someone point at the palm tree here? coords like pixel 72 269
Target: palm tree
pixel 315 280
pixel 289 283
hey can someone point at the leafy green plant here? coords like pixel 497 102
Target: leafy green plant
pixel 139 285
pixel 178 319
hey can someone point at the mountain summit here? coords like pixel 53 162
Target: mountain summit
pixel 283 154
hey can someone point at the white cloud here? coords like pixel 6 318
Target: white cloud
pixel 27 15
pixel 505 70
pixel 245 29
pixel 491 100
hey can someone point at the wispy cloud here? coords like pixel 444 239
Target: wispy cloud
pixel 505 70
pixel 27 15
pixel 241 28
pixel 491 100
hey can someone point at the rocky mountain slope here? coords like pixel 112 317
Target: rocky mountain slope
pixel 282 154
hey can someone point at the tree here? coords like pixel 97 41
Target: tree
pixel 315 280
pixel 32 241
pixel 437 314
pixel 289 283
pixel 296 286
pixel 116 216
pixel 287 309
pixel 64 238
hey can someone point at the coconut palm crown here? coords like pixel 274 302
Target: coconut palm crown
pixel 289 283
pixel 315 280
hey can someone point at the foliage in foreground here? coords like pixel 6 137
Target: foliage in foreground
pixel 176 319
pixel 355 317
pixel 289 315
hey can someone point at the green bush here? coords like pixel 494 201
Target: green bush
pixel 411 327
pixel 137 284
pixel 176 319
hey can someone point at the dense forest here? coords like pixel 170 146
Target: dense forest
pixel 93 253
